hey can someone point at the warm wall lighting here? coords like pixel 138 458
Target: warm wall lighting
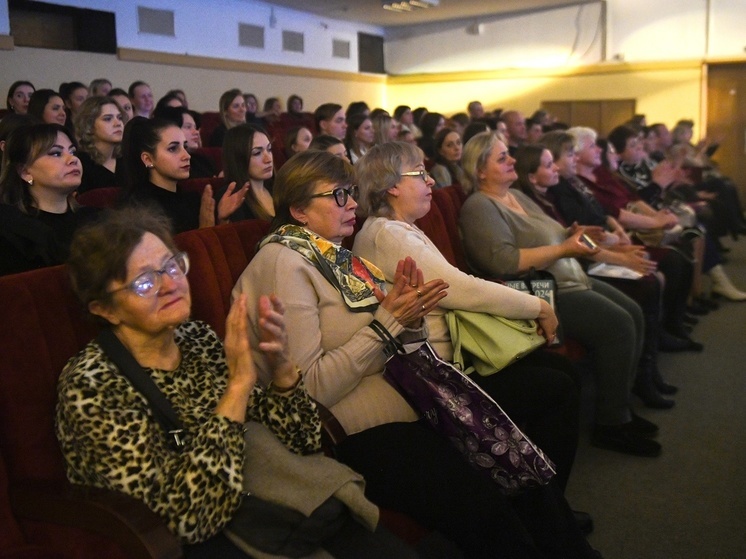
pixel 409 5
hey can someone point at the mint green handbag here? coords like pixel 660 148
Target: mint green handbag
pixel 486 343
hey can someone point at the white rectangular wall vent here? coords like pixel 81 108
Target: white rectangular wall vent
pixel 156 22
pixel 340 49
pixel 292 41
pixel 250 35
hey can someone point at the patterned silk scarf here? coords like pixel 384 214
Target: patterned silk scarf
pixel 352 276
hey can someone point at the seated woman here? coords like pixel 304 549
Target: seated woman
pixel 330 144
pixel 430 125
pixel 407 466
pixel 19 95
pixel 297 139
pixel 99 87
pixel 252 108
pixel 448 149
pixel 505 232
pixel 129 275
pixel 100 127
pixel 73 94
pixel 385 128
pixel 560 200
pixel 47 106
pixel 200 165
pixel 539 391
pixel 359 135
pixel 155 158
pixel 232 113
pixel 38 214
pixel 247 161
pixel 272 110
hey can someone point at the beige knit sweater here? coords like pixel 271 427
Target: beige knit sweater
pixel 341 358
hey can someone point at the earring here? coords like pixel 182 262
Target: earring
pixel 149 166
pixel 30 181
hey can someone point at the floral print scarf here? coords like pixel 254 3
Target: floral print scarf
pixel 352 276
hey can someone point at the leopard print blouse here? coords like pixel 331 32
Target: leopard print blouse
pixel 110 438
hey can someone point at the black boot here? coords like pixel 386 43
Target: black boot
pixel 645 388
pixel 662 386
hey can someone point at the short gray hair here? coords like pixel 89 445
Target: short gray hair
pixel 582 134
pixel 380 170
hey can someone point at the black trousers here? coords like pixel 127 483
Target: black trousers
pixel 410 468
pixel 541 394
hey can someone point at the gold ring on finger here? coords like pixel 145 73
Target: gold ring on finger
pixel 419 293
pixel 423 307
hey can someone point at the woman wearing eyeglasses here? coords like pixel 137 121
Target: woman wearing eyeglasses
pixel 334 300
pixel 539 391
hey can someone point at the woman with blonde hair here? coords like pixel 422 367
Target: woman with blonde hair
pixel 505 232
pixel 99 125
pixel 232 107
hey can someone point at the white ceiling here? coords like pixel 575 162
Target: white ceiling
pixel 371 11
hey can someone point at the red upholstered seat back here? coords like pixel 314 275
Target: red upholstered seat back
pixel 449 201
pixel 218 255
pixel 106 197
pixel 43 328
pixel 10 532
pixel 210 121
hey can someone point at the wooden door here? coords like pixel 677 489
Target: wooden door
pixel 602 114
pixel 726 119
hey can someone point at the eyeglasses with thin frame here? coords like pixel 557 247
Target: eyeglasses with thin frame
pixel 340 194
pixel 424 175
pixel 148 284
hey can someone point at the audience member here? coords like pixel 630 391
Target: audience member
pixel 38 214
pixel 19 95
pixel 155 158
pixel 359 135
pixel 515 130
pixel 141 97
pixel 47 106
pixel 100 126
pixel 395 191
pixel 431 124
pixel 100 87
pixel 200 165
pixel 330 119
pixel 248 162
pixel 448 149
pixel 475 110
pixel 330 144
pixel 232 113
pixel 504 232
pixel 297 139
pixel 124 102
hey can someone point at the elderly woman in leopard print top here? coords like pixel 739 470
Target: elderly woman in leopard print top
pixel 127 271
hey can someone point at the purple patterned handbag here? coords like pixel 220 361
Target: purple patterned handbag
pixel 476 425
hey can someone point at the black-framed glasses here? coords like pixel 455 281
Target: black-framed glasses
pixel 424 175
pixel 148 284
pixel 341 194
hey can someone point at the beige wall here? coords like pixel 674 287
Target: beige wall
pixel 203 84
pixel 665 93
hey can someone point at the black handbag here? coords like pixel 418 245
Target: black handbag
pixel 263 525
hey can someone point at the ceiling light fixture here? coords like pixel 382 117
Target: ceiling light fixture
pixel 409 5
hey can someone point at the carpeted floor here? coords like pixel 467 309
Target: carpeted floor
pixel 690 503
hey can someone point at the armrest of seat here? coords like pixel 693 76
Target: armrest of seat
pixel 129 523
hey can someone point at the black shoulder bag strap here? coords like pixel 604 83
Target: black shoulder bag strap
pixel 162 410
